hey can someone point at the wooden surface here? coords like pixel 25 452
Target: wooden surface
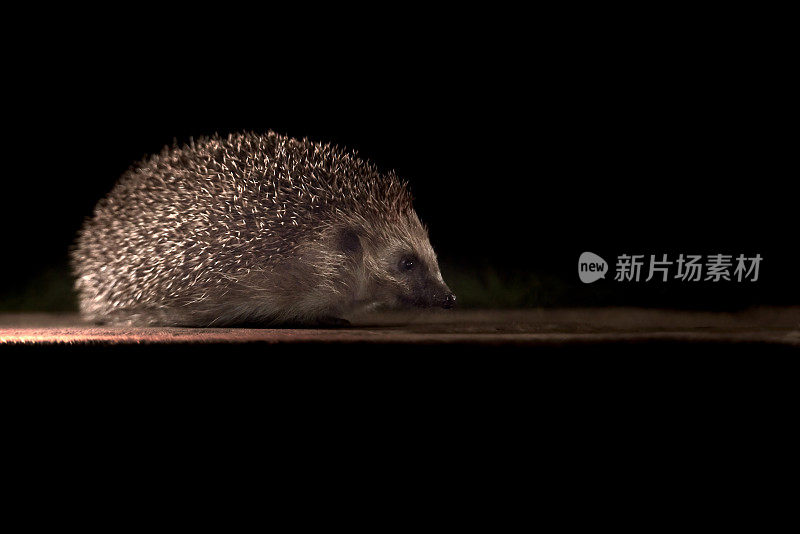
pixel 544 327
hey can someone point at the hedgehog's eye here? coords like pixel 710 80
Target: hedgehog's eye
pixel 407 263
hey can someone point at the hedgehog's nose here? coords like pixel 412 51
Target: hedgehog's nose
pixel 449 301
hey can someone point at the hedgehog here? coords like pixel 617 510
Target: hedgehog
pixel 254 229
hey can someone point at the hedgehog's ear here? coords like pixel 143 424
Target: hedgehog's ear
pixel 350 243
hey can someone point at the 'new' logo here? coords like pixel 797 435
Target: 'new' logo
pixel 591 267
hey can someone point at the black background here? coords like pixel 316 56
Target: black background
pixel 527 140
pixel 520 157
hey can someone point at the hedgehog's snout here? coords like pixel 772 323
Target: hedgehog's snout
pixel 443 298
pixel 431 295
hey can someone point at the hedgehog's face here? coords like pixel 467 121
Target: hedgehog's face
pixel 418 282
pixel 402 269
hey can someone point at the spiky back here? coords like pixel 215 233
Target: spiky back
pixel 195 216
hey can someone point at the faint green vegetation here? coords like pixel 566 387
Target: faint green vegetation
pixel 487 287
pixel 48 290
